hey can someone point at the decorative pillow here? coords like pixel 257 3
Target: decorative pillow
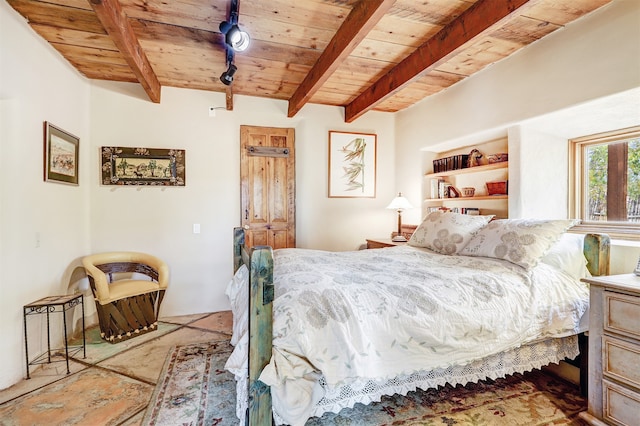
pixel 447 232
pixel 568 255
pixel 520 241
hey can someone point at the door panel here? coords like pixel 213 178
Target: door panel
pixel 259 204
pixel 257 238
pixel 268 185
pixel 279 209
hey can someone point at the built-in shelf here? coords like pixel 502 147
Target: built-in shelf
pixel 476 169
pixel 476 177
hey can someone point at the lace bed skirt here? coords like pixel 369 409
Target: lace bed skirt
pixel 519 360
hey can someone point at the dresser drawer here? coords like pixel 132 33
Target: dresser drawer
pixel 620 405
pixel 622 314
pixel 621 361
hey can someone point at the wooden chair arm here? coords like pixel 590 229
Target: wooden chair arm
pixel 93 263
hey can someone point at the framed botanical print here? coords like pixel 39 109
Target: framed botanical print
pixel 61 151
pixel 352 164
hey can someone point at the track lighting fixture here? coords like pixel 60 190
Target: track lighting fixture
pixel 235 40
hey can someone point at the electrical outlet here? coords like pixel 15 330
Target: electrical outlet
pixel 196 228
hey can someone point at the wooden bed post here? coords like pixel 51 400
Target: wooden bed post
pixel 596 251
pixel 260 334
pixel 259 261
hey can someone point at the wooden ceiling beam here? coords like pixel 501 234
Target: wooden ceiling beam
pixel 362 18
pixel 116 24
pixel 228 97
pixel 474 21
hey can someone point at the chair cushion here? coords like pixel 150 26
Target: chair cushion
pixel 121 289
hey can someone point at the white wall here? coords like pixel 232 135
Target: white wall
pixel 540 174
pixel 43 226
pixel 160 220
pixel 577 81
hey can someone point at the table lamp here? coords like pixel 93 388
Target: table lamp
pixel 399 204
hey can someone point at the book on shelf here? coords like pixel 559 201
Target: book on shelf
pixel 454 162
pixel 466 210
pixel 434 188
pixel 443 189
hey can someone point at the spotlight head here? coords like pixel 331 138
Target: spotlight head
pixel 238 40
pixel 234 37
pixel 227 76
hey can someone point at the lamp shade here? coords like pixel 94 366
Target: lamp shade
pixel 400 203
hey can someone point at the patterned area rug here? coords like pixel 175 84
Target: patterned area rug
pixel 534 398
pixel 196 390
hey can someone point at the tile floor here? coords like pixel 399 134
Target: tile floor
pixel 113 385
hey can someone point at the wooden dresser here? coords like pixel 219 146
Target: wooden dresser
pixel 614 350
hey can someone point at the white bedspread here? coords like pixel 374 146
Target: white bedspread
pixel 382 313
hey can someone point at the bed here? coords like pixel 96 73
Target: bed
pixel 468 299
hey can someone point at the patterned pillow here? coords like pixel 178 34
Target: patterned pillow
pixel 520 241
pixel 447 232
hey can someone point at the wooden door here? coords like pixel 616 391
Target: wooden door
pixel 267 180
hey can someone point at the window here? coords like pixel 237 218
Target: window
pixel 606 187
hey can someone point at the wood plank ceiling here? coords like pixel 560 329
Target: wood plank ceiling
pixel 363 55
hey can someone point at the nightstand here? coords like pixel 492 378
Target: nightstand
pixel 614 350
pixel 383 242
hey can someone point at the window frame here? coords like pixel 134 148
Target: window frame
pixel 578 188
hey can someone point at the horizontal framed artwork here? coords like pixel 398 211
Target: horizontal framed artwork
pixel 61 157
pixel 352 164
pixel 142 166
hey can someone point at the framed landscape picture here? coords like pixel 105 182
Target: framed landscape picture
pixel 142 166
pixel 60 155
pixel 352 164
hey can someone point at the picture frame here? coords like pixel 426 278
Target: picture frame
pixel 142 166
pixel 61 155
pixel 352 165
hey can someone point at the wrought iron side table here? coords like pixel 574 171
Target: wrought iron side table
pixel 48 305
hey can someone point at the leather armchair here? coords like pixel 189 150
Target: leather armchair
pixel 128 288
